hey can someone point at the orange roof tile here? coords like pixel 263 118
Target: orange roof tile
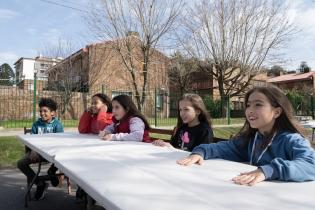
pixel 292 77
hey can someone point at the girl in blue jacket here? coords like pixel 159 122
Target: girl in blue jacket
pixel 270 139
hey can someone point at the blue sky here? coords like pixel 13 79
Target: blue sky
pixel 26 27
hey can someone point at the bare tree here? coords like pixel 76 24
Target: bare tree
pixel 62 77
pixel 77 72
pixel 181 72
pixel 135 26
pixel 234 38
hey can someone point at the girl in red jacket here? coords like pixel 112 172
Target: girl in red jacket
pixel 98 116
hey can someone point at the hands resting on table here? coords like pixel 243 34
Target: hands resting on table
pixel 105 135
pixel 248 178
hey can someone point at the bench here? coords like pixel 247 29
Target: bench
pixel 161 131
pixel 171 132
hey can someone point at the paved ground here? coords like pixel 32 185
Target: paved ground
pixel 12 190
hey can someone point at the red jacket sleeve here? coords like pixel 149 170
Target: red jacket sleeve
pixel 103 120
pixel 85 122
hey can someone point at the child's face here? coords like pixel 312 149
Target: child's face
pixel 46 114
pixel 187 112
pixel 118 111
pixel 260 113
pixel 97 105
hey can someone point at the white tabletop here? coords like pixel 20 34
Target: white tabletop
pixel 129 175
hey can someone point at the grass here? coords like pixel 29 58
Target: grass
pixel 11 150
pixel 74 123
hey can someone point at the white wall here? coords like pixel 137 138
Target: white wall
pixel 28 68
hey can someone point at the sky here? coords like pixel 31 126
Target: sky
pixel 27 27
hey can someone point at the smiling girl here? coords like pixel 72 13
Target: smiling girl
pixel 270 139
pixel 193 123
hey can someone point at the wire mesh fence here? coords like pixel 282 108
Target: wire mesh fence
pixel 19 104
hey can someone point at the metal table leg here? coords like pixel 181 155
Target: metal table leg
pixel 89 205
pixel 29 187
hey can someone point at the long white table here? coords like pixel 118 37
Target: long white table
pixel 140 176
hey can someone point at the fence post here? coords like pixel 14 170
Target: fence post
pixel 312 106
pixel 155 109
pixel 34 98
pixel 228 114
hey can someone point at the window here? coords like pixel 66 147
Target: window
pixel 159 101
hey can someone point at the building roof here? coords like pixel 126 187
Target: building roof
pixel 23 58
pixel 292 77
pixel 40 58
pixel 104 43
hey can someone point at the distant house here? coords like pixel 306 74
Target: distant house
pixel 200 83
pixel 26 67
pixel 301 81
pixel 237 102
pixel 205 85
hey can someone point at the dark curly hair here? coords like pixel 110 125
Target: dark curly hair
pixel 48 102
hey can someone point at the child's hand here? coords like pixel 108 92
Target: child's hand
pixel 92 110
pixel 103 133
pixel 103 108
pixel 191 159
pixel 161 143
pixel 34 157
pixel 89 110
pixel 250 178
pixel 108 137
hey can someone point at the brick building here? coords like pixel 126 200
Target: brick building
pixel 99 67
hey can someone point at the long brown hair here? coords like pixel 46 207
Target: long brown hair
pixel 131 109
pixel 286 120
pixel 105 100
pixel 198 104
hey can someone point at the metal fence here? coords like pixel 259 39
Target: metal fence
pixel 19 104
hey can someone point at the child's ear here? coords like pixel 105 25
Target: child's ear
pixel 278 112
pixel 198 112
pixel 53 113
